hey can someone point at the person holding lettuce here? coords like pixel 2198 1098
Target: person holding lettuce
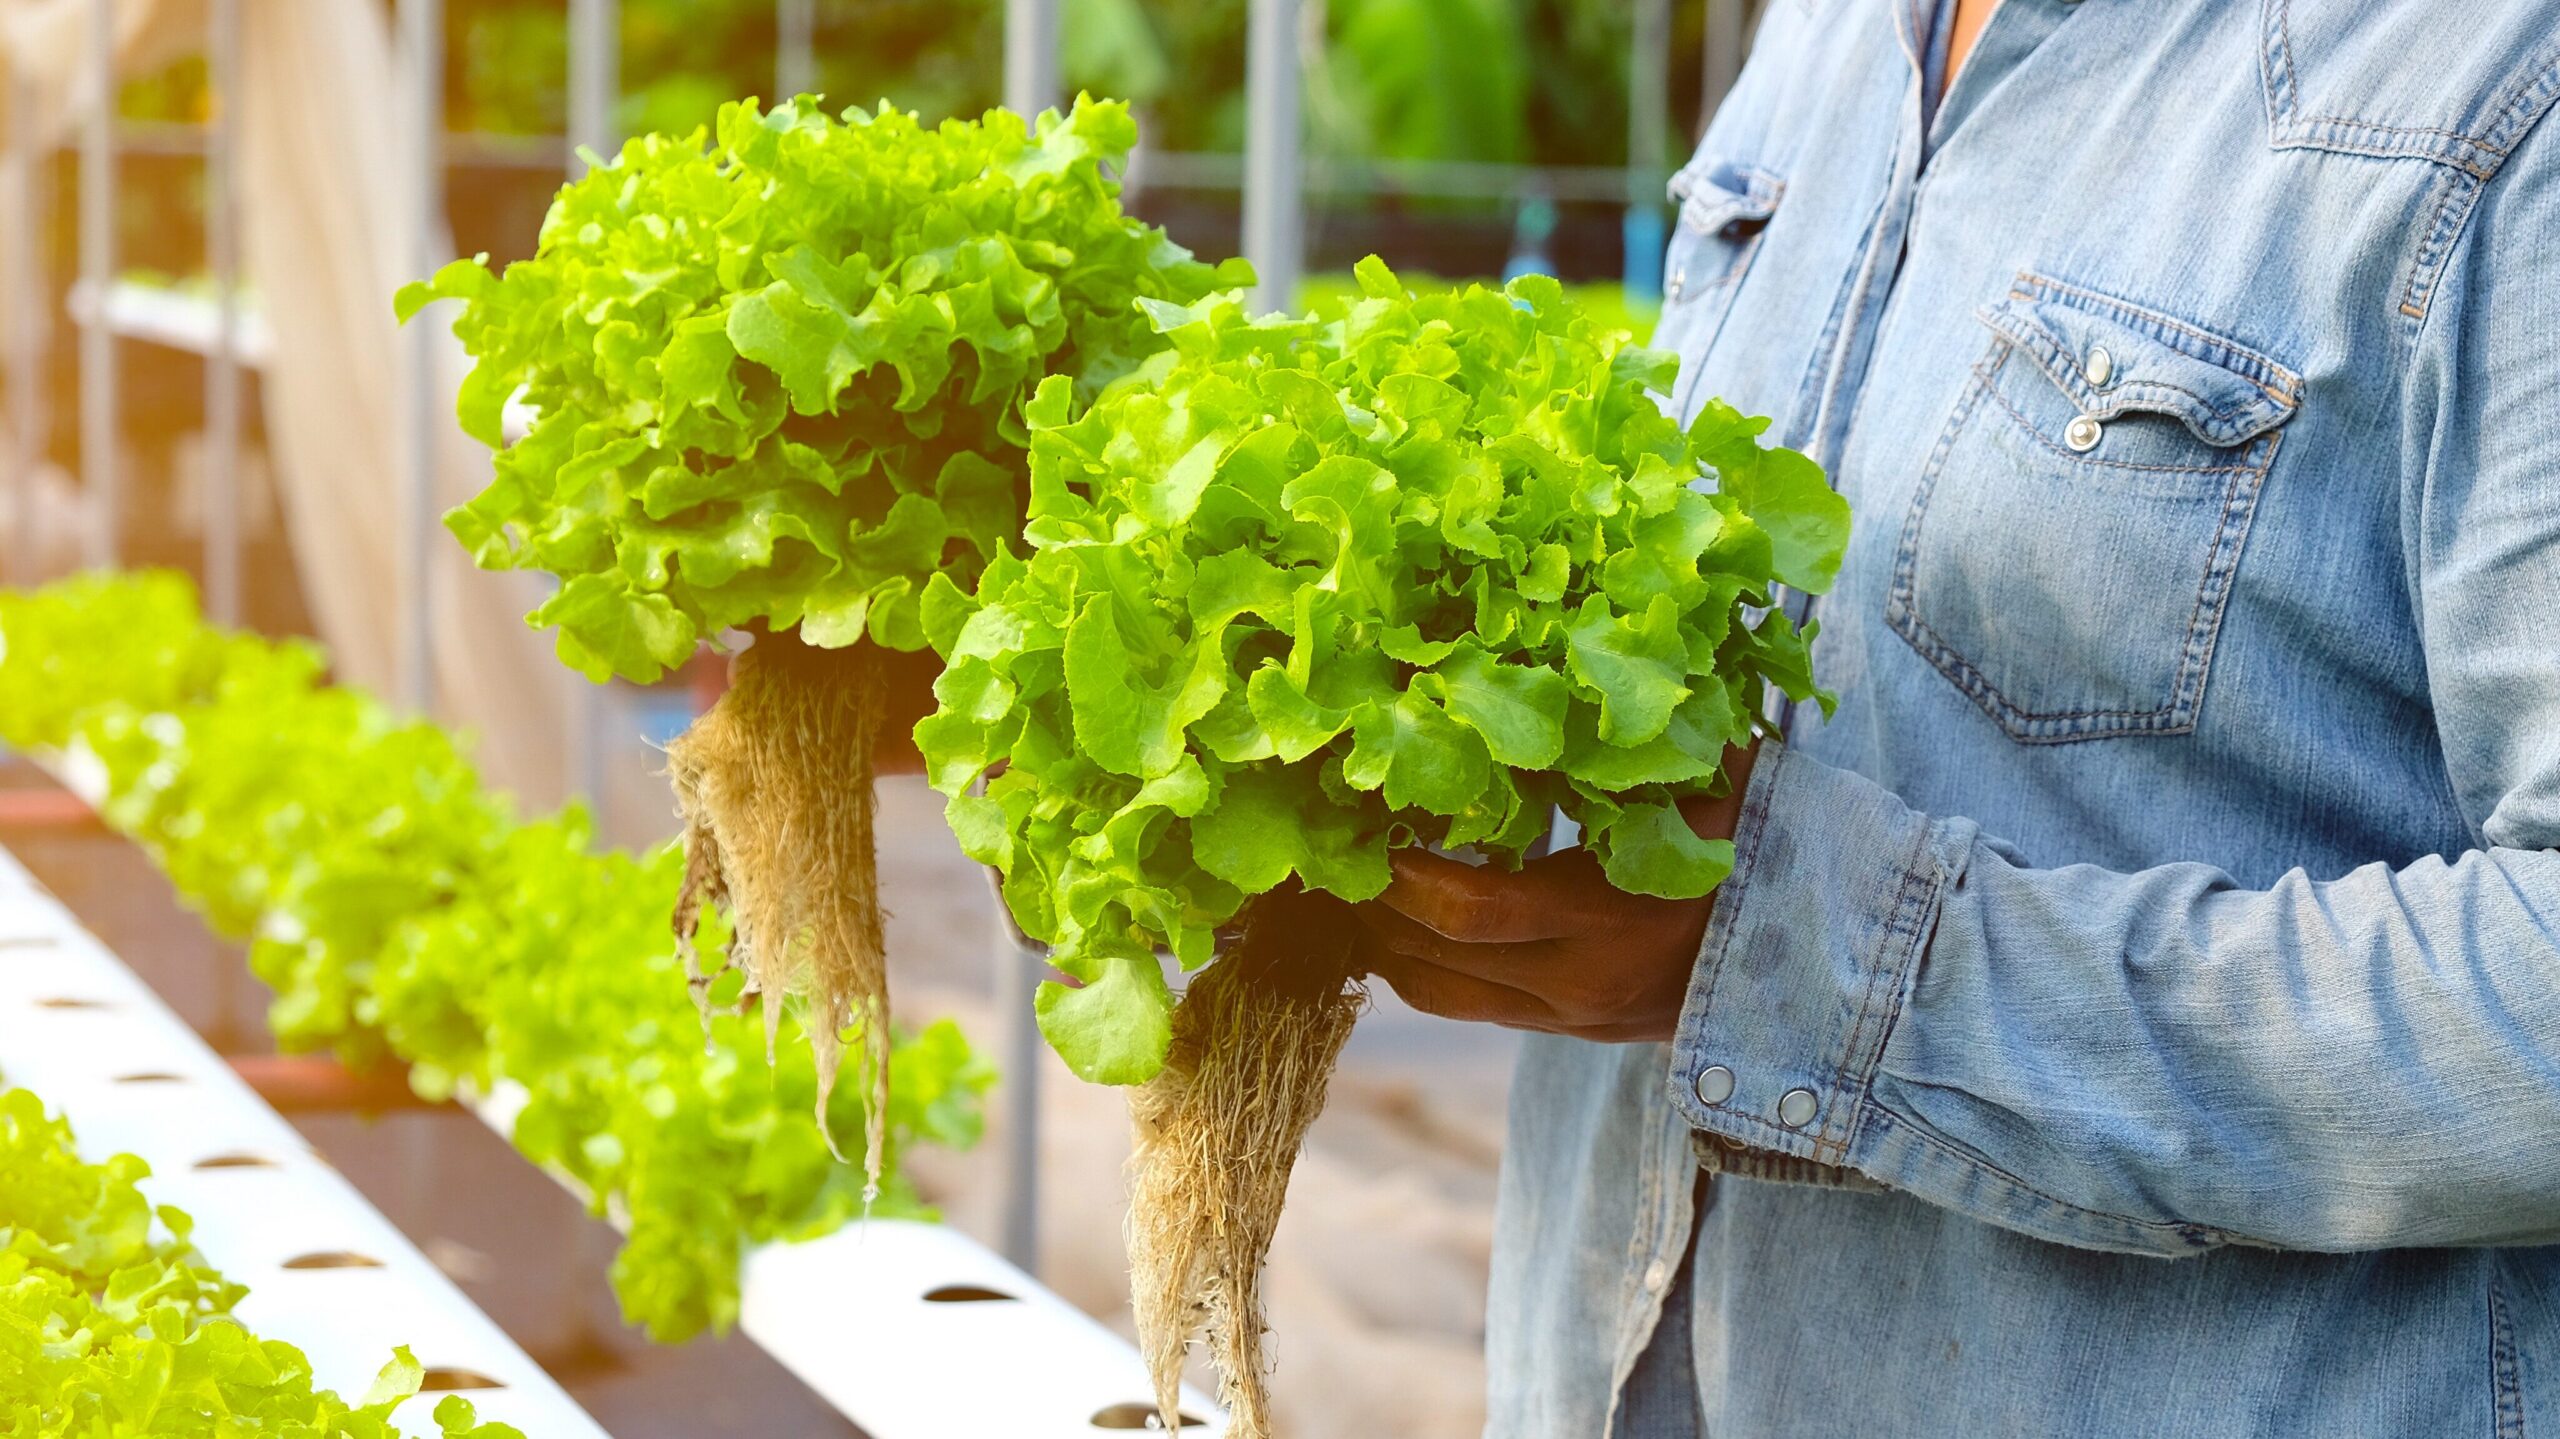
pixel 2137 1009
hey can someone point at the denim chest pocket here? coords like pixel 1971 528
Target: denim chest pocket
pixel 2070 550
pixel 1725 210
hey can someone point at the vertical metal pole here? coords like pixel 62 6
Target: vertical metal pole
pixel 422 41
pixel 98 273
pixel 595 77
pixel 1030 85
pixel 1648 105
pixel 795 48
pixel 1727 27
pixel 595 91
pixel 27 197
pixel 1274 226
pixel 222 367
pixel 1030 56
pixel 1017 980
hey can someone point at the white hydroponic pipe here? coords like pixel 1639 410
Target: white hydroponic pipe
pixel 326 1272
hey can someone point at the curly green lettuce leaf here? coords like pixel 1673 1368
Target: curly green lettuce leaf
pixel 1303 590
pixel 776 369
pixel 1112 1029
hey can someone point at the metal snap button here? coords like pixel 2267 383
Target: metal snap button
pixel 2102 367
pixel 1656 1275
pixel 1715 1085
pixel 1796 1108
pixel 2083 434
pixel 1679 282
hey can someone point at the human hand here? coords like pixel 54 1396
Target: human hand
pixel 1554 947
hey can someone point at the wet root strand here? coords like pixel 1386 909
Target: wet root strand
pixel 774 787
pixel 1255 1041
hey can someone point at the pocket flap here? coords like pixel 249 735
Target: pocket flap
pixel 1714 195
pixel 2225 393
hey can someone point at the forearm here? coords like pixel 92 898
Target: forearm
pixel 2155 1062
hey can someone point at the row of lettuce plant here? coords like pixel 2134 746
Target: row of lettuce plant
pixel 402 910
pixel 112 1323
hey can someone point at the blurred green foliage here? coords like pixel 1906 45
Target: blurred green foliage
pixel 1539 81
pixel 1606 302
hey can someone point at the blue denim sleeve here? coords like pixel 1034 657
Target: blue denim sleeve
pixel 2163 1061
pixel 2155 1062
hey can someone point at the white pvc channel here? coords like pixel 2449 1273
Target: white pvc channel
pixel 911 1330
pixel 326 1272
pixel 917 1331
pixel 896 1323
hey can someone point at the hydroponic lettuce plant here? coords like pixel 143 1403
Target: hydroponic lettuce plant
pixel 111 1323
pixel 776 376
pixel 1304 591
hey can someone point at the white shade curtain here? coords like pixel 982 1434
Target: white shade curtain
pixel 324 245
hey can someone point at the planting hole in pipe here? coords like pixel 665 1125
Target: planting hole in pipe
pixel 446 1378
pixel 1137 1416
pixel 71 1002
pixel 333 1259
pixel 235 1159
pixel 966 1294
pixel 151 1076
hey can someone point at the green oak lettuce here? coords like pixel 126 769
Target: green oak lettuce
pixel 111 1322
pixel 1304 590
pixel 776 371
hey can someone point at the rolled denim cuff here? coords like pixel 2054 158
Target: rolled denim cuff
pixel 1810 953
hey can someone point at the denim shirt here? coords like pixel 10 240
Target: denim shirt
pixel 2137 1010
